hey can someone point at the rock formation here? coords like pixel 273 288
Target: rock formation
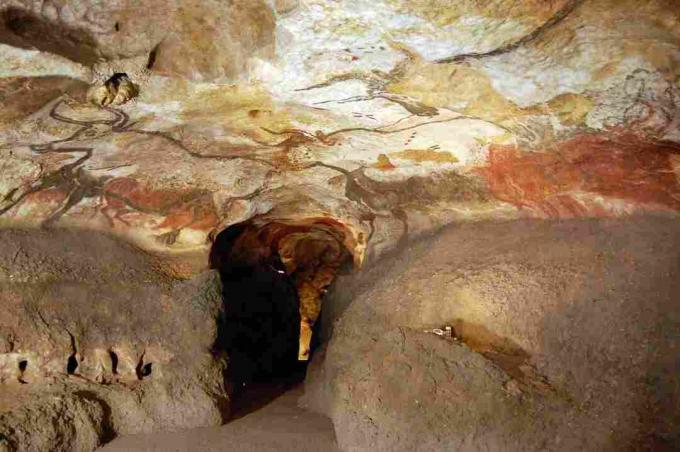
pixel 97 342
pixel 557 344
pixel 196 39
pixel 337 133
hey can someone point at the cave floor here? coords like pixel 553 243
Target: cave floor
pixel 281 425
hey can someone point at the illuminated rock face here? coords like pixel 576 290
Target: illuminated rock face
pixel 391 124
pixel 204 40
pixel 383 120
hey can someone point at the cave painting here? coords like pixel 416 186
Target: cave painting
pixel 331 134
pixel 577 177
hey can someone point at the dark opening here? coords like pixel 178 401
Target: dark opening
pixel 152 58
pixel 71 364
pixel 260 324
pixel 143 369
pixel 259 328
pixel 114 362
pixel 116 79
pixel 23 365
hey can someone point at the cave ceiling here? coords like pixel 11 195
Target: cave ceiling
pixel 385 118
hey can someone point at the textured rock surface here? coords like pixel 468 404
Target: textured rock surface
pixel 54 421
pixel 381 120
pixel 214 40
pixel 209 40
pixel 381 131
pixel 565 340
pixel 96 342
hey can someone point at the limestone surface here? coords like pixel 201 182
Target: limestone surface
pixel 96 343
pixel 206 40
pixel 560 341
pixel 375 122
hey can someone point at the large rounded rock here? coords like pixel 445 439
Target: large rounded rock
pixel 208 40
pixel 563 339
pixel 213 40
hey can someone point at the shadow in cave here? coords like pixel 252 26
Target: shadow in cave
pixel 28 30
pixel 259 326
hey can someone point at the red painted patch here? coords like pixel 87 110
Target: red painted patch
pixel 182 208
pixel 199 215
pixel 136 195
pixel 564 181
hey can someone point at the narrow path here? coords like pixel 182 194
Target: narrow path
pixel 278 426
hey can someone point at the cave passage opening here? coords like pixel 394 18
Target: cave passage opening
pixel 274 277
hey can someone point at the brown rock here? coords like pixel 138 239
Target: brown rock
pixel 530 290
pixel 285 6
pixel 199 39
pixel 111 349
pixel 22 96
pixel 215 42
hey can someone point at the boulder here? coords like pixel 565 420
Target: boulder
pixel 207 40
pixel 94 336
pixel 560 341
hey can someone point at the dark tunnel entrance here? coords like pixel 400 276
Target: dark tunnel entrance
pixel 274 276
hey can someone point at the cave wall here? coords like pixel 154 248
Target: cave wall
pixel 563 338
pixel 390 118
pixel 387 119
pixel 200 40
pixel 95 342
